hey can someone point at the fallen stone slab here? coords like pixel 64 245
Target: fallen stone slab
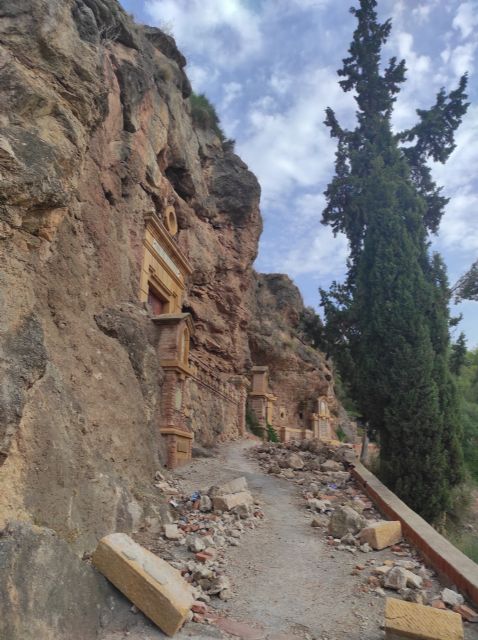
pixel 418 622
pixel 232 500
pixel 153 585
pixel 382 534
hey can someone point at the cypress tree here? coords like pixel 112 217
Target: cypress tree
pixel 387 324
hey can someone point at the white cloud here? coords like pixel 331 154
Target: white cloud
pixel 466 19
pixel 459 227
pixel 317 253
pixel 226 31
pixel 201 77
pixel 231 91
pixel 290 147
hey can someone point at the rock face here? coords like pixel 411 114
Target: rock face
pixel 96 134
pixel 75 605
pixel 298 373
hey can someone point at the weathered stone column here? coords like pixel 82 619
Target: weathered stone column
pixel 173 353
pixel 242 384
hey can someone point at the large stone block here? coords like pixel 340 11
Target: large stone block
pixel 382 534
pixel 228 502
pixel 233 486
pixel 406 620
pixel 154 586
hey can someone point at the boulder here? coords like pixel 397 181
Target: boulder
pixel 331 465
pixel 153 585
pixel 195 543
pixel 382 534
pixel 233 486
pixel 172 532
pixel 345 520
pixel 451 597
pixel 295 462
pixel 396 579
pixel 410 620
pixel 232 500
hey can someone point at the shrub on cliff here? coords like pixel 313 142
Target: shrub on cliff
pixel 387 324
pixel 204 116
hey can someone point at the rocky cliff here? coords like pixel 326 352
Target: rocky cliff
pixel 96 135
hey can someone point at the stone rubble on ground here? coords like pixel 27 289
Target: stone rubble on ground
pixel 349 522
pixel 197 530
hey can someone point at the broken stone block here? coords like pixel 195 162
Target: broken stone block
pixel 228 502
pixel 413 580
pixel 410 620
pixel 452 598
pixel 345 520
pixel 396 579
pixel 382 534
pixel 172 532
pixel 153 585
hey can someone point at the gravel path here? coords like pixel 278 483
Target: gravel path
pixel 288 583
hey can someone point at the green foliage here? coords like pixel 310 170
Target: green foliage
pixel 458 354
pixel 252 423
pixel 341 435
pixel 205 116
pixel 311 328
pixel 387 324
pixel 467 286
pixel 272 434
pixel 468 387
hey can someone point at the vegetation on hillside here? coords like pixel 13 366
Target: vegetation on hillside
pixel 468 385
pixel 204 116
pixel 387 325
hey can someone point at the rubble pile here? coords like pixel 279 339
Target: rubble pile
pixel 195 531
pixel 349 522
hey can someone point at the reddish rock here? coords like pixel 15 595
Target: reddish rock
pixel 466 613
pixel 242 630
pixel 438 604
pixel 199 607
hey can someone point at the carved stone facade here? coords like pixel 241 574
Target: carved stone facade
pixel 162 286
pixel 267 410
pixel 193 394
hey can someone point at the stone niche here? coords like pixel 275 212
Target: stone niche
pixel 162 286
pixel 314 423
pixel 261 401
pixel 321 420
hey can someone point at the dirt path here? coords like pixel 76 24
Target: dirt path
pixel 288 583
pixel 286 579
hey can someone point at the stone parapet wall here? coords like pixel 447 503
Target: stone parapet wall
pixel 445 558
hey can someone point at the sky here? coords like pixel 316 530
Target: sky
pixel 269 67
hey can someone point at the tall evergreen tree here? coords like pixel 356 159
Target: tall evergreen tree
pixel 387 324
